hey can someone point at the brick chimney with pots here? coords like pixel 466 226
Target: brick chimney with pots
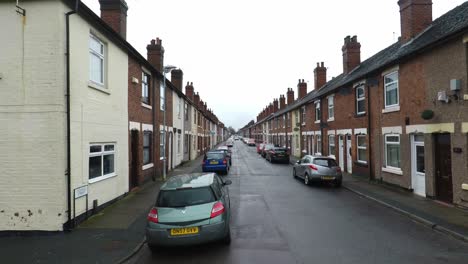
pixel 415 16
pixel 114 13
pixel 290 95
pixel 275 105
pixel 301 89
pixel 156 54
pixel 351 54
pixel 189 90
pixel 177 76
pixel 196 99
pixel 282 102
pixel 320 76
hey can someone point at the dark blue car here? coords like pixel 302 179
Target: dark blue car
pixel 215 161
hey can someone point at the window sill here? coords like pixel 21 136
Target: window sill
pixel 146 106
pixel 98 87
pixel 317 122
pixel 330 119
pixel 360 115
pixel 391 109
pixel 147 166
pixel 101 178
pixel 393 170
pixel 361 164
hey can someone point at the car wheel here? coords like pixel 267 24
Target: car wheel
pixel 306 179
pixel 294 174
pixel 227 238
pixel 337 183
pixel 153 248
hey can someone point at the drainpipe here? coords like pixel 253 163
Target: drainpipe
pixel 369 147
pixel 69 225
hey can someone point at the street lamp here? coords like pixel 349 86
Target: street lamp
pixel 166 69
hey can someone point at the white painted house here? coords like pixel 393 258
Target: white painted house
pixel 37 191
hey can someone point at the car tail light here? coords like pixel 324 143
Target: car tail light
pixel 313 167
pixel 153 215
pixel 218 209
pixel 224 161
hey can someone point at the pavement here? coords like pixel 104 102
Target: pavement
pixel 111 236
pixel 444 218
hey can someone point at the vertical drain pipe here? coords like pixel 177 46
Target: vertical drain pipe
pixel 69 225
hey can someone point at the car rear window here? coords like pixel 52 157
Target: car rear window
pixel 280 150
pixel 214 156
pixel 269 146
pixel 325 162
pixel 185 197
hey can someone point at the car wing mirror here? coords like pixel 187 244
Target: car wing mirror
pixel 227 182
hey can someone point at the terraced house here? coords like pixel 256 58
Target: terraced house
pixel 86 111
pixel 400 115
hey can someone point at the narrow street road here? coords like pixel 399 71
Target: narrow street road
pixel 277 219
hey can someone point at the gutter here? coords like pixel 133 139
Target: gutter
pixel 69 225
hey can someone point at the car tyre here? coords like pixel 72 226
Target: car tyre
pixel 227 239
pixel 306 179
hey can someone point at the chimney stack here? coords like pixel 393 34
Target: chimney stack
pixel 196 99
pixel 114 13
pixel 156 54
pixel 189 90
pixel 320 76
pixel 290 95
pixel 177 76
pixel 351 54
pixel 275 105
pixel 415 16
pixel 282 102
pixel 301 89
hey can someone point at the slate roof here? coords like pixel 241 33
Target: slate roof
pixel 451 23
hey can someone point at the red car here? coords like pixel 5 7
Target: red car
pixel 260 148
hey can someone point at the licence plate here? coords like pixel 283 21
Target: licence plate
pixel 328 178
pixel 214 162
pixel 184 231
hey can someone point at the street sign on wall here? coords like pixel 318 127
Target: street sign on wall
pixel 81 191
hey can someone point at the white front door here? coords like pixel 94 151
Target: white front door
pixel 340 152
pixel 418 172
pixel 349 159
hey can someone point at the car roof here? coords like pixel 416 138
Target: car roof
pixel 320 157
pixel 192 180
pixel 223 147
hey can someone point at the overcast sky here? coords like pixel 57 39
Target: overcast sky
pixel 242 54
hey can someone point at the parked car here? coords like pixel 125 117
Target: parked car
pixel 318 168
pixel 215 161
pixel 266 147
pixel 228 153
pixel 190 209
pixel 251 142
pixel 260 147
pixel 277 154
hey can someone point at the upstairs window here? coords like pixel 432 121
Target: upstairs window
pixel 360 100
pixel 303 115
pixel 296 119
pixel 96 60
pixel 145 93
pixel 186 112
pixel 284 120
pixel 162 97
pixel 331 108
pixel 391 89
pixel 317 111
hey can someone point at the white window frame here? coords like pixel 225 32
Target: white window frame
pixel 317 111
pixel 179 111
pixel 331 108
pixel 150 133
pixel 359 99
pixel 330 145
pixel 397 88
pixel 161 145
pixel 179 143
pixel 102 153
pixel 284 120
pixel 319 145
pixel 162 97
pixel 101 56
pixel 145 92
pixel 361 148
pixel 296 118
pixel 303 115
pixel 392 143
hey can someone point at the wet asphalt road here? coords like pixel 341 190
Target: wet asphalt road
pixel 277 219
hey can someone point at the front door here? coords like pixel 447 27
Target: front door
pixel 443 167
pixel 418 171
pixel 349 159
pixel 169 160
pixel 134 157
pixel 341 152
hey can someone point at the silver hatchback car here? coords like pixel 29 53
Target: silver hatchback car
pixel 318 168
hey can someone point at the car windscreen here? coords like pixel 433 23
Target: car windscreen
pixel 185 197
pixel 325 162
pixel 279 150
pixel 216 156
pixel 269 147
